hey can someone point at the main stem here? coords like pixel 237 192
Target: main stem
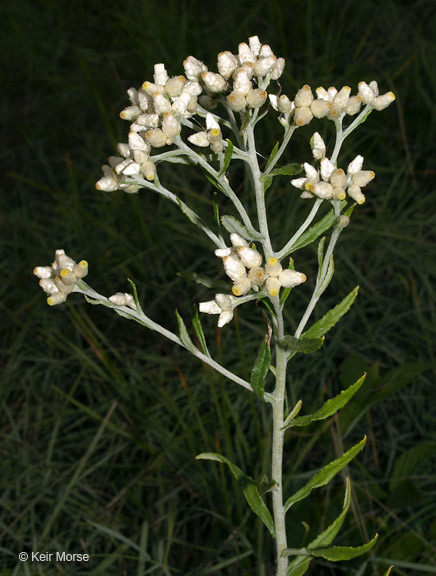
pixel 277 446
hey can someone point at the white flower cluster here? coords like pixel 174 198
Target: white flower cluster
pixel 243 265
pixel 330 103
pixel 158 108
pixel 329 182
pixel 59 279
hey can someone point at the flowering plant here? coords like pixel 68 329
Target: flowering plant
pixel 208 119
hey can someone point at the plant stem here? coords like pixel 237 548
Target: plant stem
pixel 277 445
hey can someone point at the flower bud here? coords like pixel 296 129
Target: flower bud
pixel 237 240
pixel 194 68
pixel 302 116
pixel 56 298
pixel 356 194
pixel 342 97
pixel 353 105
pixel 224 301
pixel 318 146
pixel 278 68
pixel 130 113
pixel 107 184
pixel 264 65
pixel 284 105
pixel 355 165
pixel 80 270
pixel 338 178
pixel 256 98
pixel 382 102
pixel 48 285
pixel 320 108
pixel 43 272
pixel 256 276
pixel 250 258
pixel 234 268
pixel 339 194
pixel 149 170
pixel 245 54
pixel 156 138
pixel 241 82
pixel 342 221
pixel 273 267
pixel 227 64
pixel 67 277
pixel 213 82
pixel 224 318
pixel 170 125
pixel 174 86
pixel 363 177
pixel 290 278
pixel 303 97
pixel 62 287
pixel 241 286
pixel 161 103
pixel 236 101
pixel 273 286
pixel 323 190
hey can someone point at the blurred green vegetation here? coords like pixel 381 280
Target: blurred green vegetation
pixel 101 420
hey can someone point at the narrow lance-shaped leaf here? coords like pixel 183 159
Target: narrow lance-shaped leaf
pixel 218 285
pixel 331 406
pixel 135 295
pixel 272 155
pixel 340 553
pixel 332 317
pixel 299 566
pixel 198 329
pixel 288 170
pixel 329 534
pixel 315 231
pixel 227 157
pixel 232 225
pixel 184 335
pixel 261 367
pixel 388 571
pixel 303 345
pixel 292 414
pixel 324 476
pixel 213 181
pixel 249 488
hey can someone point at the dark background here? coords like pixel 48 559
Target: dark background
pixel 101 420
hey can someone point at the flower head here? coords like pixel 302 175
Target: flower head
pixel 60 279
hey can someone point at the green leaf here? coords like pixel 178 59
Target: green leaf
pixel 267 181
pixel 249 489
pixel 388 571
pixel 328 276
pixel 213 181
pixel 292 414
pixel 315 231
pixel 272 155
pixel 192 216
pixel 332 317
pixel 339 553
pixel 303 345
pixel 227 157
pixel 329 534
pixel 324 476
pixel 261 367
pixel 135 295
pixel 232 225
pixel 207 281
pixel 198 329
pixel 184 336
pixel 288 170
pixel 320 252
pixel 331 406
pixel 216 211
pixel 299 566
